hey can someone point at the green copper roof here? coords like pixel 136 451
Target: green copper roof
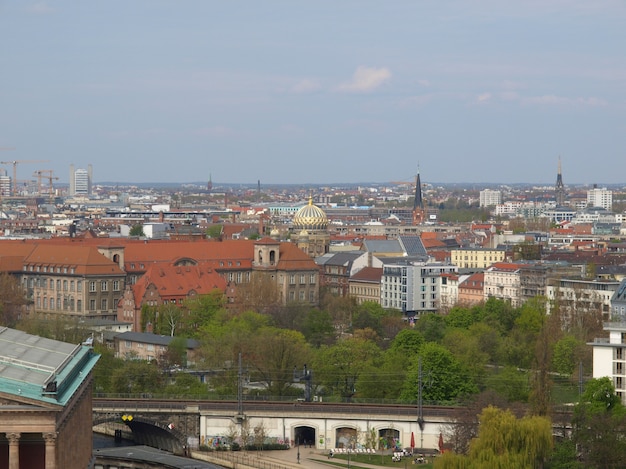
pixel 43 369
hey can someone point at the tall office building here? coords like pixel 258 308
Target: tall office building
pixel 597 197
pixel 489 198
pixel 80 181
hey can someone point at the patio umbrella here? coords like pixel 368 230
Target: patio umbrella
pixel 440 442
pixel 412 441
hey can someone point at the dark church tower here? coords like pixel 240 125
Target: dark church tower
pixel 559 188
pixel 418 204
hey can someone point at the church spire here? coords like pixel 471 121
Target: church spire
pixel 418 203
pixel 559 188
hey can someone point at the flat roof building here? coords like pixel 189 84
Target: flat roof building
pixel 45 390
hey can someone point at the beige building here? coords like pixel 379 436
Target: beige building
pixel 476 258
pixel 45 393
pixel 72 281
pixel 365 285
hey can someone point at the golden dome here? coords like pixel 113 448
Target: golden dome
pixel 310 217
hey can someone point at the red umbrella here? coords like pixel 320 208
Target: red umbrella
pixel 440 443
pixel 412 441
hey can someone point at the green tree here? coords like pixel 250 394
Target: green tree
pixel 504 441
pixel 599 424
pixel 444 379
pixel 318 327
pixel 568 352
pixel 272 357
pixel 136 231
pixel 432 326
pixel 339 366
pixel 215 231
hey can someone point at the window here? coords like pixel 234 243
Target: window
pixel 104 304
pixel 79 285
pixel 312 279
pixel 292 279
pixel 292 295
pixel 301 295
pixel 302 279
pixel 116 285
pixel 92 286
pixel 58 285
pixel 92 305
pixel 72 285
pixel 104 285
pixel 65 285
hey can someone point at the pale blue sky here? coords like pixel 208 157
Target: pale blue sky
pixel 314 92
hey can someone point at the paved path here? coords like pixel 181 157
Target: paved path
pixel 310 458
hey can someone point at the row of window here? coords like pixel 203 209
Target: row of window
pixel 71 285
pixel 70 304
pixel 312 279
pixel 302 295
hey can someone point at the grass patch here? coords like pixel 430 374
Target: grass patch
pixel 341 460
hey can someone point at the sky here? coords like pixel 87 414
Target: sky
pixel 315 92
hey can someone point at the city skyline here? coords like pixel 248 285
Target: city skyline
pixel 282 92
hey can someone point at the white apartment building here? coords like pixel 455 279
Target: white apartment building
pixel 580 296
pixel 609 357
pixel 489 198
pixel 507 208
pixel 597 197
pixel 502 281
pixel 414 287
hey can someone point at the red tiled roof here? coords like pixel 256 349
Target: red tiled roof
pixel 178 281
pixel 368 274
pixel 83 259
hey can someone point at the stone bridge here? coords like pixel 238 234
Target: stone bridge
pixel 177 425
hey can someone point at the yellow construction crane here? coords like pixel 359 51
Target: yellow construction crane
pixel 49 174
pixel 15 163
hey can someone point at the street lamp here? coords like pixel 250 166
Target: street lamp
pixel 298 445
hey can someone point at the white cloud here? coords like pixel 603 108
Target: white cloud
pixel 306 86
pixel 483 97
pixel 553 100
pixel 423 82
pixel 40 8
pixel 365 79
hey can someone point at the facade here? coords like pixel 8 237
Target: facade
pixel 413 287
pixel 476 258
pixel 600 197
pixel 490 198
pixel 336 269
pixel 503 281
pixel 72 281
pixel 578 296
pixel 365 285
pixel 609 357
pixel 165 283
pixel 149 347
pixel 45 392
pixel 471 289
pixel 618 303
pixel 449 290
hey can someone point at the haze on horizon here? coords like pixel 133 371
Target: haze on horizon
pixel 293 92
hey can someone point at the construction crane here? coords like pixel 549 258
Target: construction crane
pixel 15 163
pixel 48 173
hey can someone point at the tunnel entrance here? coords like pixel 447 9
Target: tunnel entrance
pixel 304 436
